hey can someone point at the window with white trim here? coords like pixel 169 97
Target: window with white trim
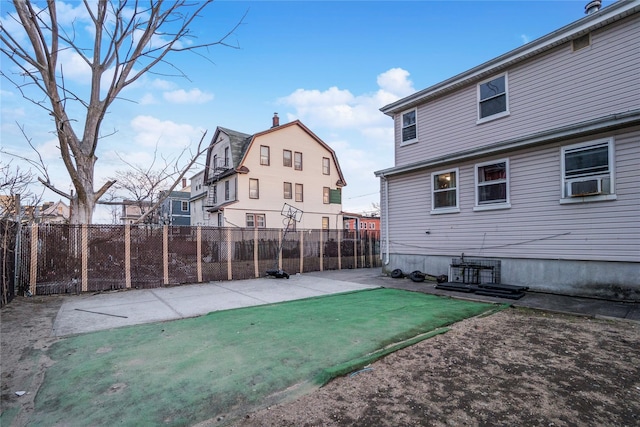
pixel 185 206
pixel 587 170
pixel 256 220
pixel 492 98
pixel 325 195
pixel 444 191
pixel 492 184
pixel 325 222
pixel 409 126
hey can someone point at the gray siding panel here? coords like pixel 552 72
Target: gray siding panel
pixel 536 225
pixel 558 88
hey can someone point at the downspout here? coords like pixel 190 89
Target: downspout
pixel 385 206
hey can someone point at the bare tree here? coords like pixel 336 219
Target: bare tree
pixel 15 191
pixel 131 38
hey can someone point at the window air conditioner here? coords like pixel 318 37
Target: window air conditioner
pixel 589 187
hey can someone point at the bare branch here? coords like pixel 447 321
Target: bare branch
pixel 184 171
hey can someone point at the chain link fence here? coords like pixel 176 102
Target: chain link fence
pixel 57 258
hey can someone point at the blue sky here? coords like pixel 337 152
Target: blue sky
pixel 331 64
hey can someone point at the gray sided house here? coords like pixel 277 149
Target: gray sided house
pixel 531 160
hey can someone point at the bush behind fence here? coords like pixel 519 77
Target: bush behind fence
pixel 58 258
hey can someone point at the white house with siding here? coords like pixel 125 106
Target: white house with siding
pixel 250 179
pixel 531 159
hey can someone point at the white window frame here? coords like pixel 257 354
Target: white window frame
pixel 565 197
pixel 256 220
pixel 402 127
pixel 326 195
pixel 184 206
pixel 506 94
pixel 448 209
pixel 506 204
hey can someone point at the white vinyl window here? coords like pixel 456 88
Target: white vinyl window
pixel 409 127
pixel 444 192
pixel 493 101
pixel 256 220
pixel 492 185
pixel 326 195
pixel 588 172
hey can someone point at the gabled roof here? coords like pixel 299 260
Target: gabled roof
pixel 605 16
pixel 241 144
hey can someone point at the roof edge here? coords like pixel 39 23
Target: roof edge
pixel 605 16
pixel 601 124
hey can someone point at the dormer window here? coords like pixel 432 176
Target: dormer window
pixel 492 99
pixel 409 128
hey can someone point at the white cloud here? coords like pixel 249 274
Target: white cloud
pixel 395 83
pixel 148 99
pixel 337 108
pixel 360 134
pixel 194 96
pixel 525 38
pixel 73 66
pixel 151 132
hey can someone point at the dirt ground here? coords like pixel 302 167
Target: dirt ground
pixel 515 367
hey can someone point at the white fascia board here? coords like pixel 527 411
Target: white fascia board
pixel 603 124
pixel 605 16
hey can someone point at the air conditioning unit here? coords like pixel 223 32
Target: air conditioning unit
pixel 587 187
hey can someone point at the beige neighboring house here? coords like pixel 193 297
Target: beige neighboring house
pixel 48 212
pixel 55 213
pixel 249 179
pixel 132 210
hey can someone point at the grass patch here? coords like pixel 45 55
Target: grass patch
pixel 186 371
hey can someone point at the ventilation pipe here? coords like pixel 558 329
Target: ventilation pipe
pixel 592 7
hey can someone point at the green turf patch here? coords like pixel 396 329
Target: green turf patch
pixel 186 371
